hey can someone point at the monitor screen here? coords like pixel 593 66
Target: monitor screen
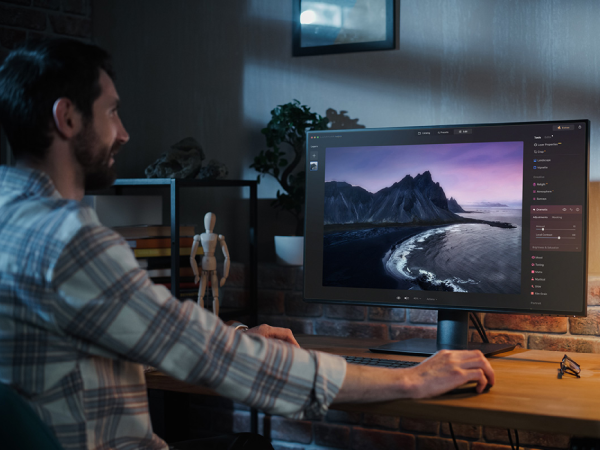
pixel 487 217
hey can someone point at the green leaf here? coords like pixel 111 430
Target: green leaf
pixel 287 131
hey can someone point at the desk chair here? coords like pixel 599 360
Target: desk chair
pixel 22 428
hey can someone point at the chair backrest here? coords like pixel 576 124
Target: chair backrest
pixel 20 427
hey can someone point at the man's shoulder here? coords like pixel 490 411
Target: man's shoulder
pixel 25 181
pixel 38 227
pixel 30 205
pixel 55 212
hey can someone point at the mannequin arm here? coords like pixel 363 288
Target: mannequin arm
pixel 227 262
pixel 193 262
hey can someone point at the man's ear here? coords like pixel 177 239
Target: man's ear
pixel 67 119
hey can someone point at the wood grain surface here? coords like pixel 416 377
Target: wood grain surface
pixel 528 394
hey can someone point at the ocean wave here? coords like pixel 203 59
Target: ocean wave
pixel 428 282
pixel 398 265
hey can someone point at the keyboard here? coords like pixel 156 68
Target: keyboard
pixel 391 363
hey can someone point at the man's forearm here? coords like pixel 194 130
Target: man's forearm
pixel 436 375
pixel 372 384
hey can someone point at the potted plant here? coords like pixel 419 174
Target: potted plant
pixel 286 141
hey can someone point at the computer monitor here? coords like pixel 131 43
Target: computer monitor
pixel 458 218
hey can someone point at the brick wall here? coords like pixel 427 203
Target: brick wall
pixel 22 20
pixel 281 304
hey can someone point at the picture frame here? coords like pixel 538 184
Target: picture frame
pixel 343 26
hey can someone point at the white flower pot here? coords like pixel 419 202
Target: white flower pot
pixel 289 250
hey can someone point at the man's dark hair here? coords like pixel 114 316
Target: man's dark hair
pixel 33 77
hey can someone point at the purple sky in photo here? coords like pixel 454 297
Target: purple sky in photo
pixel 471 173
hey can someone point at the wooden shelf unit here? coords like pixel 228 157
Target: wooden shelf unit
pixel 171 189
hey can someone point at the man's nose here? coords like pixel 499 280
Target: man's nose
pixel 122 135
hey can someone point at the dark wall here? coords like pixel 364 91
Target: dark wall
pixel 215 69
pixel 21 20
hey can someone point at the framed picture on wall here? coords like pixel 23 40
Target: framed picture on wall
pixel 341 26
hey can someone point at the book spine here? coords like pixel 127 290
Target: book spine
pixel 159 242
pixel 166 272
pixel 153 252
pixel 181 285
pixel 164 262
pixel 137 232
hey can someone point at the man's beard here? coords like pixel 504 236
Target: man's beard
pixel 96 171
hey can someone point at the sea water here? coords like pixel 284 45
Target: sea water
pixel 463 257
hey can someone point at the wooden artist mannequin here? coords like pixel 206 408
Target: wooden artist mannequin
pixel 209 240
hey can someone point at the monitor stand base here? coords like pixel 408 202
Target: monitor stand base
pixel 430 346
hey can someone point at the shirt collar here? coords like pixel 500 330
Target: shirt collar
pixel 28 181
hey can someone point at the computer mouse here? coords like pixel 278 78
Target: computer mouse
pixel 468 388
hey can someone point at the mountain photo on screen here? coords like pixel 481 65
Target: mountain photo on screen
pixel 443 217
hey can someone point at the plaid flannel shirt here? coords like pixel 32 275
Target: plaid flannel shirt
pixel 78 317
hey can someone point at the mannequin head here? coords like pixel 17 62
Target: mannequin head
pixel 209 222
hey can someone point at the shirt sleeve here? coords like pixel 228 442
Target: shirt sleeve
pixel 106 301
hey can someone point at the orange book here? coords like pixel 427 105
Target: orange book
pixel 152 252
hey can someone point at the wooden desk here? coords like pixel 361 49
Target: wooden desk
pixel 527 396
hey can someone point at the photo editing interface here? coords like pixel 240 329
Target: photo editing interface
pixel 476 217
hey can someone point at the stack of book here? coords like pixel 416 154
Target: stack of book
pixel 151 245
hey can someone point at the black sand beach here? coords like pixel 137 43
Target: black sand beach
pixel 360 262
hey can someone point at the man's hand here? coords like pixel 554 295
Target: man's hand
pixel 284 334
pixel 447 370
pixel 436 375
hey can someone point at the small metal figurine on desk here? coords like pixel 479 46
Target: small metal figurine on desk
pixel 209 240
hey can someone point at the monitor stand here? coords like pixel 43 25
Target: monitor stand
pixel 452 334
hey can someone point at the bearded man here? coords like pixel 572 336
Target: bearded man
pixel 78 317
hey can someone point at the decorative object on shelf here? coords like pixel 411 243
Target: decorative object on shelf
pixel 288 125
pixel 184 160
pixel 214 170
pixel 209 241
pixel 332 26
